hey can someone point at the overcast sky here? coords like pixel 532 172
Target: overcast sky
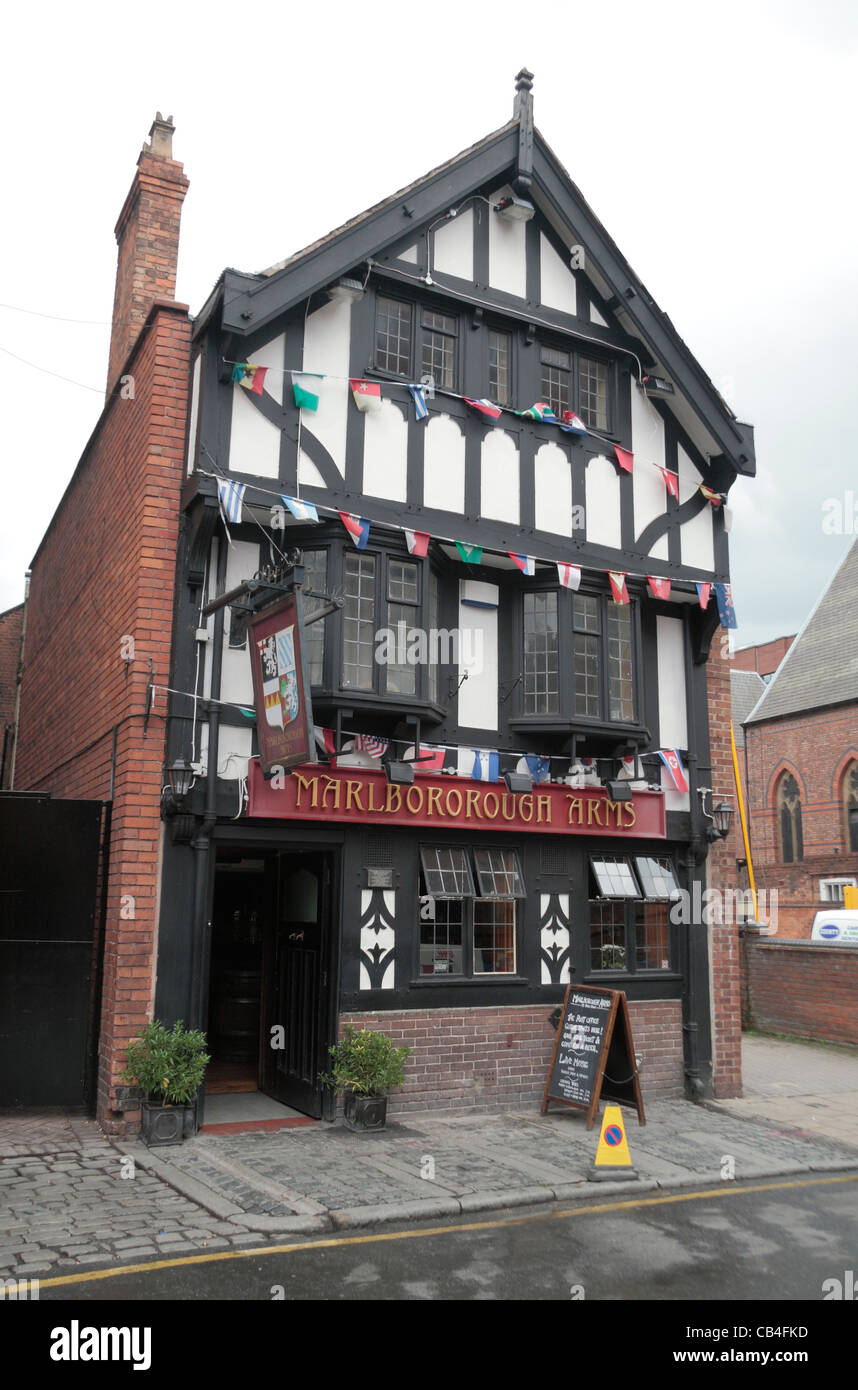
pixel 716 143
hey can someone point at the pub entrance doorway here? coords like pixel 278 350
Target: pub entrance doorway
pixel 270 1011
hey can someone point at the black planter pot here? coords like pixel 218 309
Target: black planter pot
pixel 162 1124
pixel 189 1125
pixel 364 1114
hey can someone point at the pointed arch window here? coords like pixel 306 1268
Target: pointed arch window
pixel 789 818
pixel 850 807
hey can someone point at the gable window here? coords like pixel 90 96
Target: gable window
pixel 499 367
pixel 468 914
pixel 556 373
pixel 789 817
pixel 414 339
pixel 593 393
pixel 850 808
pixel 393 336
pixel 630 912
pixel 591 646
pixel 571 381
pixel 439 348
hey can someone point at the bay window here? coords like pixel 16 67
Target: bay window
pixel 578 656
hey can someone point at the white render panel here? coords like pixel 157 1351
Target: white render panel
pixel 500 477
pixel 308 473
pixel 195 410
pixel 385 453
pixel 672 716
pixel 271 355
pixel 553 483
pixel 603 502
pixel 254 443
pixel 454 246
pixel 233 751
pixel 596 317
pixel 507 264
pixel 697 546
pixel 650 492
pixel 326 349
pixel 478 695
pixel 444 465
pixel 409 254
pixel 557 283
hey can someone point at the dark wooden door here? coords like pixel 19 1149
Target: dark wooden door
pixel 296 993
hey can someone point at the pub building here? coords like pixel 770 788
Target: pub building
pixel 438 464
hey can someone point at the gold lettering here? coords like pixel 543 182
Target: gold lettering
pixel 574 805
pixel 331 785
pixel 372 805
pixel 609 807
pixel 510 815
pixel 543 803
pixel 415 810
pixel 353 791
pixel 594 812
pixel 453 792
pixel 493 797
pixel 472 800
pixel 525 807
pixel 433 802
pixel 306 784
pixel 633 814
pixel 391 793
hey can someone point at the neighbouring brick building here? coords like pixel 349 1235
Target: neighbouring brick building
pixel 801 750
pixel 763 659
pixel 11 627
pixel 541 840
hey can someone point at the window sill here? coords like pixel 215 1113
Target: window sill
pixel 371 702
pixel 558 724
pixel 482 981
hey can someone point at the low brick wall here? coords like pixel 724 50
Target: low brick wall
pixel 481 1059
pixel 796 987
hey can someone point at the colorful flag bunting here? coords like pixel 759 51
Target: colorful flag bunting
pixel 625 458
pixel 418 395
pixel 429 759
pixel 538 767
pixel 703 591
pixel 471 554
pixel 417 541
pixel 367 394
pixel 251 377
pixel 540 411
pixel 569 575
pixel 302 511
pixel 526 563
pixel 485 408
pixel 671 480
pixel 486 767
pixel 726 611
pixel 716 498
pixel 573 424
pixel 327 741
pixel 368 743
pixel 659 588
pixel 357 527
pixel 618 586
pixel 672 761
pixel 230 497
pixel 305 400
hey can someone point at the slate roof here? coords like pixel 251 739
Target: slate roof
pixel 821 666
pixel 746 687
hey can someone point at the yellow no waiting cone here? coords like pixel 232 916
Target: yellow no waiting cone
pixel 613 1159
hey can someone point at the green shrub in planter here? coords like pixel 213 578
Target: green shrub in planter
pixel 167 1065
pixel 366 1063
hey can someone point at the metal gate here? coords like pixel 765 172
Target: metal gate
pixel 52 862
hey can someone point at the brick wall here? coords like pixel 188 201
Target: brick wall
pixel 764 659
pixel 804 989
pixel 816 748
pixel 482 1059
pixel 722 874
pixel 10 651
pixel 105 573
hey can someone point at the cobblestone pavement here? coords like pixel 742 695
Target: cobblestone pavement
pixel 65 1204
pixel 802 1086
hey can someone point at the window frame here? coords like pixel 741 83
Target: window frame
pixel 384 558
pixel 578 355
pixel 419 307
pixel 629 924
pixel 469 901
pixel 844 881
pixel 792 812
pixel 850 808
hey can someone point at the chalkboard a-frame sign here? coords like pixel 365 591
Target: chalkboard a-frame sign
pixel 594 1057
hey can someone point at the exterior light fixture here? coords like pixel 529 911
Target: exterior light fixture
pixel 399 774
pixel 173 794
pixel 518 782
pixel 513 209
pixel 619 790
pixel 656 386
pixel 179 774
pixel 721 815
pixel 346 291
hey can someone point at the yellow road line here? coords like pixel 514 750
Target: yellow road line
pixel 564 1215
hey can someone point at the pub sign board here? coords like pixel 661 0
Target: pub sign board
pixel 594 1056
pixel 281 692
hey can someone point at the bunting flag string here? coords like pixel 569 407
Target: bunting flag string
pixel 625 458
pixel 417 542
pixel 418 395
pixel 367 395
pixel 304 399
pixel 251 377
pixel 573 424
pixel 673 762
pixel 726 611
pixel 569 575
pixel 716 498
pixel 671 480
pixel 526 563
pixel 618 586
pixel 357 527
pixel 659 588
pixel 230 497
pixel 540 411
pixel 703 591
pixel 302 511
pixel 471 554
pixel 485 407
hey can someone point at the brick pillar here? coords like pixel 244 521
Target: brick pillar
pixel 723 875
pixel 148 237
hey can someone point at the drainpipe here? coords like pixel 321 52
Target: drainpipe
pixel 19 679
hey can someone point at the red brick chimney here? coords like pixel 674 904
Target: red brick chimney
pixel 148 237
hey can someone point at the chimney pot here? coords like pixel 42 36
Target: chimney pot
pixel 161 137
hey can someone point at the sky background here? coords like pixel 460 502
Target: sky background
pixel 715 144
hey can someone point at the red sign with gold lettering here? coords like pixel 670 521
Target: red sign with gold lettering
pixel 315 793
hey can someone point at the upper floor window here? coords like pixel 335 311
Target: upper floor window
pixel 382 625
pixel 593 393
pixel 570 381
pixel 556 377
pixel 831 889
pixel 413 341
pixel 500 364
pixel 315 579
pixel 593 643
pixel 789 817
pixel 850 807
